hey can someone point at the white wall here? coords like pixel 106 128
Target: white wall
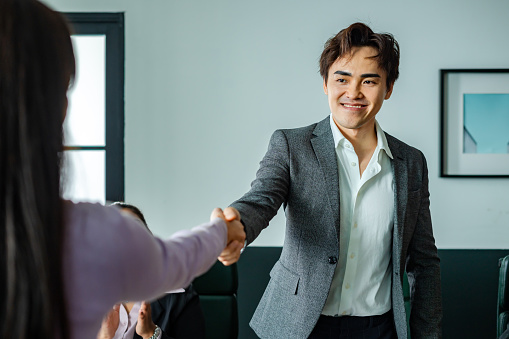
pixel 208 81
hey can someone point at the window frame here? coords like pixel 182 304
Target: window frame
pixel 112 26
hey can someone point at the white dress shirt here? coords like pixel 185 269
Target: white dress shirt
pixel 361 285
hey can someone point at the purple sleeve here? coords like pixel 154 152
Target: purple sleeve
pixel 172 263
pixel 109 258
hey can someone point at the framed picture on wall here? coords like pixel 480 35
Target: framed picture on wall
pixel 474 122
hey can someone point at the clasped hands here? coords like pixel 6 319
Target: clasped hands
pixel 236 234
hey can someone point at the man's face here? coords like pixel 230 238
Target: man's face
pixel 356 89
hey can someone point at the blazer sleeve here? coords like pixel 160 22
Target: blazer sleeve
pixel 423 270
pixel 269 189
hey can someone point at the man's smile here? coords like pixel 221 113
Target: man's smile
pixel 353 106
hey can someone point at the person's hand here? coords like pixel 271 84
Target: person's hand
pixel 236 235
pixel 110 324
pixel 145 327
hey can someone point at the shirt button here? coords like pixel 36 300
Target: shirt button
pixel 344 313
pixel 333 260
pixel 352 255
pixel 347 145
pixel 347 286
pixel 355 225
pixel 353 164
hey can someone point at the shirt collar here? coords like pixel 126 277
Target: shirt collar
pixel 336 134
pixel 381 139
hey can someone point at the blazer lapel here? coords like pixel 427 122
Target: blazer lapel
pixel 323 146
pixel 400 172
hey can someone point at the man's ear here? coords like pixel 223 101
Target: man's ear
pixel 389 92
pixel 325 87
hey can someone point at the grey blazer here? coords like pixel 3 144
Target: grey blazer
pixel 300 171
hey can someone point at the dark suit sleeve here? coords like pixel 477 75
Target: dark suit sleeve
pixel 164 335
pixel 190 322
pixel 269 190
pixel 423 269
pixel 179 315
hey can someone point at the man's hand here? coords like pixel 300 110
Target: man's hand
pixel 236 235
pixel 110 324
pixel 145 327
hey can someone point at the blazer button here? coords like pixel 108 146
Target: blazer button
pixel 333 260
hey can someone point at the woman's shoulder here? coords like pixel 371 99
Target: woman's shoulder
pixel 82 211
pixel 93 218
pixel 94 232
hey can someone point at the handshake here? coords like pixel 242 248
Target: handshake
pixel 236 234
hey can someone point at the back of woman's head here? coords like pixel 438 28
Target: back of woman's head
pixel 36 66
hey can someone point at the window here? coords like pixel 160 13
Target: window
pixel 94 127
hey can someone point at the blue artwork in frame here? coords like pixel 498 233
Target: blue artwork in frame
pixel 474 123
pixel 486 123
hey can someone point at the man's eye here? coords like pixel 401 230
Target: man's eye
pixel 369 82
pixel 341 80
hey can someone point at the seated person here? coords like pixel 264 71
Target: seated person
pixel 177 314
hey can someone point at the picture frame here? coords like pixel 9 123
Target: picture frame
pixel 474 123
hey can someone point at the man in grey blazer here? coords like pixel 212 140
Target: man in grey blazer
pixel 357 208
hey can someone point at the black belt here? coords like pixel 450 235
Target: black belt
pixel 353 322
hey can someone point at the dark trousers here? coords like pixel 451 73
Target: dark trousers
pixel 348 327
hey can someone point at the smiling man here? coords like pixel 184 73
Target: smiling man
pixel 357 206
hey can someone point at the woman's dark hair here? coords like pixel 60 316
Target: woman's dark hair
pixel 36 67
pixel 360 35
pixel 133 209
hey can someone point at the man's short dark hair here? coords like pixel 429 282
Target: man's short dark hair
pixel 360 35
pixel 135 210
